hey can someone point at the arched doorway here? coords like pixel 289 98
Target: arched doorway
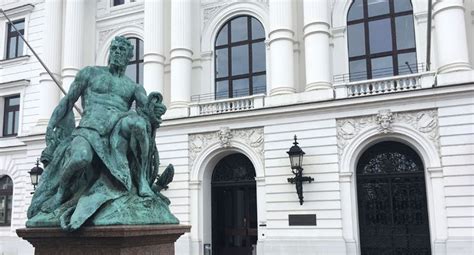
pixel 234 206
pixel 391 194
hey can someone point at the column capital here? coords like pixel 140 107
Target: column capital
pixel 435 172
pixel 345 177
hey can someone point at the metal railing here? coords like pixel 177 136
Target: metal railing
pixel 379 73
pixel 225 94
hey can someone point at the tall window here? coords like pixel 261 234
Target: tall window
pixel 14 41
pixel 135 67
pixel 11 116
pixel 121 2
pixel 381 39
pixel 118 2
pixel 6 194
pixel 240 58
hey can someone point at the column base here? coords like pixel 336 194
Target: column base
pixel 318 86
pixel 454 78
pixel 120 239
pixel 282 91
pixel 303 246
pixel 454 67
pixel 321 94
pixel 177 111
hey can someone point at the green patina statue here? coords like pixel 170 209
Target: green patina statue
pixel 105 171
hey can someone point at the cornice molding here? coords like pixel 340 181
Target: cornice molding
pixel 18 11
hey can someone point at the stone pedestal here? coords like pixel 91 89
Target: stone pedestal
pixel 104 240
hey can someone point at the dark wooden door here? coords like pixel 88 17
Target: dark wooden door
pixel 234 207
pixel 391 193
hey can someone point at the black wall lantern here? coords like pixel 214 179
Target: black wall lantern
pixel 296 159
pixel 35 174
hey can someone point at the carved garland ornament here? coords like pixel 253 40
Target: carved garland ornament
pixel 253 137
pixel 425 122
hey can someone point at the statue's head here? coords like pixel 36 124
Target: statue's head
pixel 121 51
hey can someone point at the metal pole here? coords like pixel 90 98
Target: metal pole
pixel 41 61
pixel 428 35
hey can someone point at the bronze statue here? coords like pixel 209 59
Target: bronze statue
pixel 105 170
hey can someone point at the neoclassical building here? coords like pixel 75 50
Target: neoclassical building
pixel 380 95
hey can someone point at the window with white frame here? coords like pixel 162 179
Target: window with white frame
pixel 135 67
pixel 11 115
pixel 14 43
pixel 381 39
pixel 6 195
pixel 240 66
pixel 121 2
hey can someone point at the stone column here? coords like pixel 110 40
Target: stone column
pixel 439 204
pixel 195 210
pixel 154 59
pixel 345 179
pixel 281 47
pixel 180 57
pixel 52 45
pixel 73 40
pixel 450 36
pixel 316 41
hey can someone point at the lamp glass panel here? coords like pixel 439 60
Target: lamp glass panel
pixel 300 160
pixel 295 161
pixel 34 178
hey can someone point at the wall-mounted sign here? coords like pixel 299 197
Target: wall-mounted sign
pixel 302 219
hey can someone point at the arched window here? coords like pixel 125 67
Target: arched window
pixel 381 39
pixel 240 67
pixel 6 194
pixel 135 67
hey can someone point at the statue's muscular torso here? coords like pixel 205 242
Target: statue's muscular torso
pixel 105 98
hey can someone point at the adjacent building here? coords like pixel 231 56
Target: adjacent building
pixel 380 95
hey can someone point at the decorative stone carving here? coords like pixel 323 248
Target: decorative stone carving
pixel 384 120
pixel 225 137
pixel 424 121
pixel 211 7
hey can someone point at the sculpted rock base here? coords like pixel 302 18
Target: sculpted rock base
pixel 130 209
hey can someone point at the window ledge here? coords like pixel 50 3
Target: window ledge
pixel 14 84
pixel 14 61
pixel 10 142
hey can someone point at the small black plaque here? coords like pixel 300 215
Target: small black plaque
pixel 302 219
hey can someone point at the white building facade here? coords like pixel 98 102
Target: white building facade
pixel 388 131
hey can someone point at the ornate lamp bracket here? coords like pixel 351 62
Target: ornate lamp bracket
pixel 296 158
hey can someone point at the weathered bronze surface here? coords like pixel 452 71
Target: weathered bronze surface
pixel 105 170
